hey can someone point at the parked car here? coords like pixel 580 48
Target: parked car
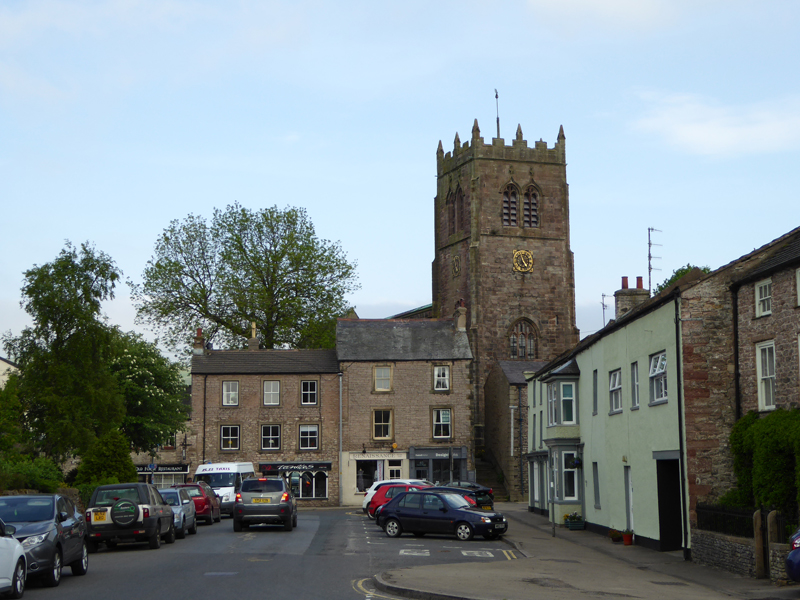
pixel 378 484
pixel 439 512
pixel 206 501
pixel 470 485
pixel 52 532
pixel 128 512
pixel 386 492
pixel 13 565
pixel 793 558
pixel 265 500
pixel 479 498
pixel 183 510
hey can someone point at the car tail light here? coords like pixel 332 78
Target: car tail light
pixel 285 497
pixel 491 492
pixel 145 513
pixel 238 498
pixel 88 516
pixel 796 543
pixel 471 500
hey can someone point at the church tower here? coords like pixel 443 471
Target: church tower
pixel 503 252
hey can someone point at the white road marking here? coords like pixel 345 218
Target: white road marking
pixel 407 552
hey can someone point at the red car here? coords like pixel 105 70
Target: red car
pixel 386 493
pixel 206 501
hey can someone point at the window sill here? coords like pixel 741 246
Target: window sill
pixel 761 316
pixel 269 450
pixel 597 507
pixel 635 407
pixel 615 412
pixel 658 402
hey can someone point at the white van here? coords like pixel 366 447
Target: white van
pixel 226 480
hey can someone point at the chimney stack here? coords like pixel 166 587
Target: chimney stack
pixel 626 299
pixel 199 344
pixel 252 343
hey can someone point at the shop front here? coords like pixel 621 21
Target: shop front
pixel 361 469
pixel 308 480
pixel 162 476
pixel 438 465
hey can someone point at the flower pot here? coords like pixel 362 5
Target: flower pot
pixel 627 539
pixel 574 525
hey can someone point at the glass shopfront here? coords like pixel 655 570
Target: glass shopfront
pixel 439 465
pixel 306 480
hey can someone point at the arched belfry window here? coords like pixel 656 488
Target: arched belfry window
pixel 451 214
pixel 461 210
pixel 530 207
pixel 522 341
pixel 510 198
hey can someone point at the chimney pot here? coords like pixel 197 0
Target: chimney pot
pixel 639 283
pixel 624 283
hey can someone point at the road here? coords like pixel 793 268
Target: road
pixel 331 555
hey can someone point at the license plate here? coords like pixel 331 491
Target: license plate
pixel 499 526
pixel 486 507
pixel 262 500
pixel 98 516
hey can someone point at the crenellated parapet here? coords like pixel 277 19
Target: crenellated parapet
pixel 519 150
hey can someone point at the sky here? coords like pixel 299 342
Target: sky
pixel 119 116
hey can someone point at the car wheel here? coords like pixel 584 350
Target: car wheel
pixel 18 580
pixel 288 525
pixel 419 533
pixel 193 528
pixel 237 525
pixel 393 528
pixel 169 537
pixel 52 577
pixel 181 533
pixel 219 517
pixel 80 566
pixel 371 514
pixel 464 532
pixel 155 539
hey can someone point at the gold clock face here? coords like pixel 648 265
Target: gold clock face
pixel 456 265
pixel 523 261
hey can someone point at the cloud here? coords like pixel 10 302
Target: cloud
pixel 701 125
pixel 599 15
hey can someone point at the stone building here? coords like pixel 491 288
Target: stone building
pixel 278 409
pixel 502 251
pixel 406 408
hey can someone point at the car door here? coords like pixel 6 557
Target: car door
pixel 68 528
pixel 408 511
pixel 7 562
pixel 432 518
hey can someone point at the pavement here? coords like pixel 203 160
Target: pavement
pixel 574 564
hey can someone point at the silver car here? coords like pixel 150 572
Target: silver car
pixel 265 500
pixel 183 510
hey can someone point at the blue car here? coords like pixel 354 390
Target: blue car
pixel 439 512
pixel 793 558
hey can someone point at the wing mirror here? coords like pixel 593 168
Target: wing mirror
pixel 10 530
pixel 62 516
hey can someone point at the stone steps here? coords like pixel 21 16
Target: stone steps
pixel 486 475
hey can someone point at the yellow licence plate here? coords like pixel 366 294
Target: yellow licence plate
pixel 486 507
pixel 98 516
pixel 262 500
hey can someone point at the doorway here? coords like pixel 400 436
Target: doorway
pixel 669 505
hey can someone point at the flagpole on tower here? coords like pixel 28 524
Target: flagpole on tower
pixel 497 105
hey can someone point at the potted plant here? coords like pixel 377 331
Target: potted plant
pixel 627 537
pixel 615 535
pixel 573 521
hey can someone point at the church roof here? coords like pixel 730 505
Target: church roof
pixel 515 370
pixel 427 339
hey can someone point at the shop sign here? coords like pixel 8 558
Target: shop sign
pixel 294 466
pixel 438 453
pixel 162 468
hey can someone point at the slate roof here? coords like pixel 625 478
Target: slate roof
pixel 514 370
pixel 786 253
pixel 266 362
pixel 384 339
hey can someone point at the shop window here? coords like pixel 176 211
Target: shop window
pixel 308 484
pixel 395 469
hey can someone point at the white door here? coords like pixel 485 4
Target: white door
pixel 628 498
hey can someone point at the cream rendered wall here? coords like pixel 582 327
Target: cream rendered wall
pixel 628 438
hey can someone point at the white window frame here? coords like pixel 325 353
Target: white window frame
pixel 615 391
pixel 765 374
pixel 763 291
pixel 440 421
pixel 552 404
pixel 568 401
pixel 273 394
pixel 395 469
pixel 658 378
pixel 307 429
pixel 233 433
pixel 388 425
pixel 270 437
pixel 441 378
pixel 572 473
pixel 230 393
pixel 309 392
pixel 382 378
pixel 634 385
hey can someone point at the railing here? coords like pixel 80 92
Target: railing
pixel 723 519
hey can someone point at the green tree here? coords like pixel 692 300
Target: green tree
pixel 109 457
pixel 676 275
pixel 153 389
pixel 11 414
pixel 67 391
pixel 266 266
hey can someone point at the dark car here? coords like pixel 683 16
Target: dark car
pixel 206 501
pixel 439 512
pixel 128 512
pixel 385 493
pixel 265 500
pixel 479 498
pixel 52 532
pixel 470 485
pixel 793 558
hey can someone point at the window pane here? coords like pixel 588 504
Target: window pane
pixel 309 392
pixel 383 378
pixel 272 393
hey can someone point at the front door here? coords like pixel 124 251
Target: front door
pixel 421 469
pixel 669 505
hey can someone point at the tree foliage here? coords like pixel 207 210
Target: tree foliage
pixel 67 391
pixel 108 458
pixel 266 266
pixel 12 436
pixel 153 390
pixel 676 275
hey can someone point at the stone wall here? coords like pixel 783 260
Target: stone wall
pixel 777 563
pixel 733 554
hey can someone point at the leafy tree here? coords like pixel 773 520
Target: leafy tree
pixel 108 458
pixel 11 414
pixel 67 391
pixel 266 266
pixel 153 390
pixel 25 472
pixel 676 275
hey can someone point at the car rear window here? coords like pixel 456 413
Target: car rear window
pixel 170 497
pixel 110 496
pixel 194 492
pixel 262 486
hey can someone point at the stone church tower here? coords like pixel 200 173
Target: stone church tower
pixel 502 249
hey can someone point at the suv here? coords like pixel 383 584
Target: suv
pixel 265 500
pixel 128 512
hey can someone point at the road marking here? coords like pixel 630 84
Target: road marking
pixel 509 554
pixel 221 574
pixel 408 552
pixel 481 553
pixel 358 586
pixel 254 559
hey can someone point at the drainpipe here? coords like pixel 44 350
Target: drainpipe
pixel 340 440
pixel 511 437
pixel 737 390
pixel 687 552
pixel 205 378
pixel 522 451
